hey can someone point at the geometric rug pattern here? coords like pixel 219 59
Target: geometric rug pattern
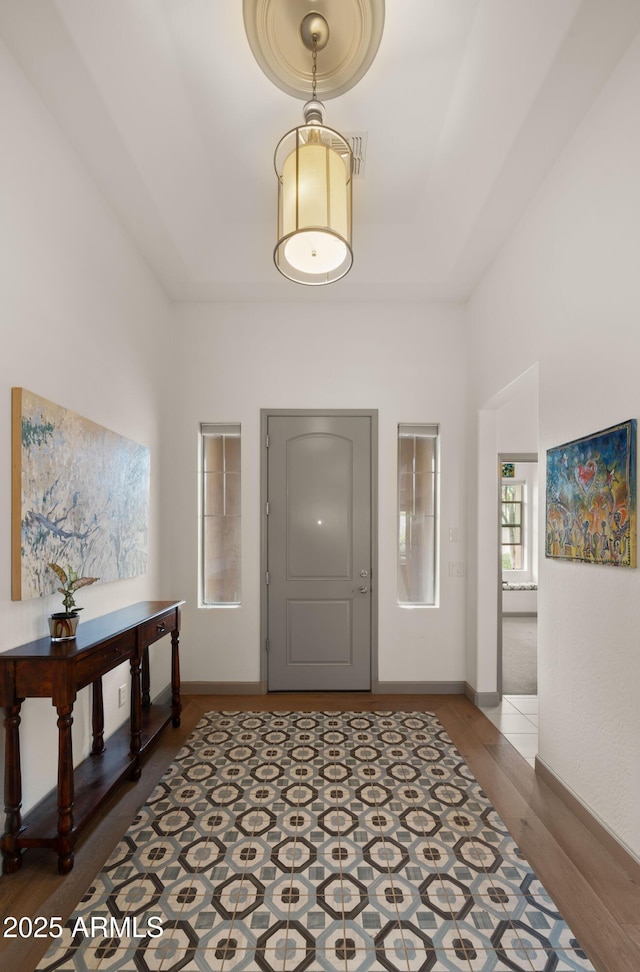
pixel 333 841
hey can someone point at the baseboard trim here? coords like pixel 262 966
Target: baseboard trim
pixel 377 688
pixel 481 699
pixel 417 688
pixel 617 848
pixel 223 688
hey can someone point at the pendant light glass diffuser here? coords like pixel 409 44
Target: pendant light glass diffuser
pixel 314 164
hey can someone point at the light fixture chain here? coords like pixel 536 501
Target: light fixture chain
pixel 315 59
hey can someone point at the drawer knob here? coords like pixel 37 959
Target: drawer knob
pixel 161 626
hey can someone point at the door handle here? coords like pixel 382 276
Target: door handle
pixel 363 589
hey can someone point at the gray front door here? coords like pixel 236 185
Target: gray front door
pixel 319 552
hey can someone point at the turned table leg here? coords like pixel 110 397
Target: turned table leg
pixel 136 718
pixel 66 837
pixel 176 705
pixel 97 719
pixel 146 678
pixel 11 855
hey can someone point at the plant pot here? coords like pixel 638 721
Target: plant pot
pixel 62 627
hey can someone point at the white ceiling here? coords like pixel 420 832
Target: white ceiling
pixel 466 107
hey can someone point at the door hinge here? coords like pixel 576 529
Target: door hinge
pixel 266 441
pixel 266 577
pixel 266 508
pixel 266 646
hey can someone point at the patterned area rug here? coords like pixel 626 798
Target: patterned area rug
pixel 334 841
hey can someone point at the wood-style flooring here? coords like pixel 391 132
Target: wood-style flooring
pixel 597 896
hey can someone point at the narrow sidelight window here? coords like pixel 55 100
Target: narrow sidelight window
pixel 418 477
pixel 220 514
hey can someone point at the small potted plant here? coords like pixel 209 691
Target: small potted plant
pixel 63 624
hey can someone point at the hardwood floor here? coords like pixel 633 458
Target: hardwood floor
pixel 599 899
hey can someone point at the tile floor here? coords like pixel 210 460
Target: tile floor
pixel 517 718
pixel 318 842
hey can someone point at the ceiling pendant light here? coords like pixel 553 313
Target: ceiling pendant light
pixel 314 166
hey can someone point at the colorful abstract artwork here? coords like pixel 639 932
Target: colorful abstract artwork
pixel 591 498
pixel 508 470
pixel 80 496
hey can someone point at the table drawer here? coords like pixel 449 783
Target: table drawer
pixel 160 626
pixel 104 658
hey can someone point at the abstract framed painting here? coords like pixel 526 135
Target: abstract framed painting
pixel 591 498
pixel 80 497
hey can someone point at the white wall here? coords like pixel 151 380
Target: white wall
pixel 230 361
pixel 84 325
pixel 567 284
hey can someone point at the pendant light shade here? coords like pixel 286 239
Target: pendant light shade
pixel 314 168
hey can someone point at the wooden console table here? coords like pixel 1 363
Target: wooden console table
pixel 58 670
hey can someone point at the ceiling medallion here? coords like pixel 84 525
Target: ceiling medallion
pixel 274 34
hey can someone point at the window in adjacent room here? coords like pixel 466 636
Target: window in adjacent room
pixel 220 515
pixel 513 538
pixel 418 478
